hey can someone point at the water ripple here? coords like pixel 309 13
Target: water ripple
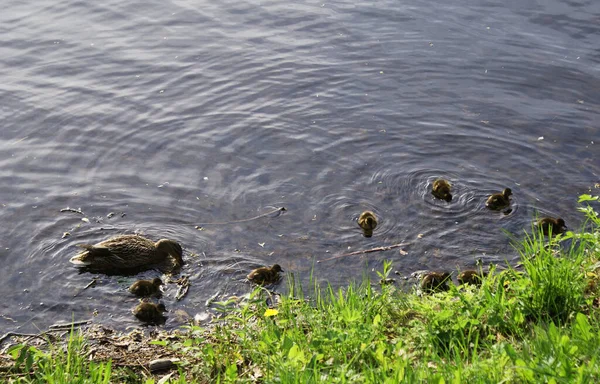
pixel 186 118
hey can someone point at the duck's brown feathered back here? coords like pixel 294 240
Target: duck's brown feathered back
pixel 126 252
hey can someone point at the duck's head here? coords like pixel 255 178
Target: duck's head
pixel 447 196
pixel 507 192
pixel 367 221
pixel 276 268
pixel 371 222
pixel 157 282
pixel 172 248
pixel 161 307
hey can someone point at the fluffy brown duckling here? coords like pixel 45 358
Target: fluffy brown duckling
pixel 435 282
pixel 470 276
pixel 552 226
pixel 441 190
pixel 265 275
pixel 146 287
pixel 127 252
pixel 368 222
pixel 499 201
pixel 150 313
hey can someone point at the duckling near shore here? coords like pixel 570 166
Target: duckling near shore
pixel 265 275
pixel 150 313
pixel 499 201
pixel 470 276
pixel 435 282
pixel 441 190
pixel 127 252
pixel 146 287
pixel 368 222
pixel 552 226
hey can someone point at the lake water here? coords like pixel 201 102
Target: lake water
pixel 172 114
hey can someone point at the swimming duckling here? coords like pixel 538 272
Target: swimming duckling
pixel 441 190
pixel 435 282
pixel 146 287
pixel 127 252
pixel 150 313
pixel 265 275
pixel 552 226
pixel 368 222
pixel 499 201
pixel 470 276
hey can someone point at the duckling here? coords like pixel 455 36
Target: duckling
pixel 265 275
pixel 150 313
pixel 470 276
pixel 552 226
pixel 499 201
pixel 146 287
pixel 127 252
pixel 368 222
pixel 441 190
pixel 435 282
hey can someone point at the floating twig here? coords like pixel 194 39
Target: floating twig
pixel 91 283
pixel 8 318
pixel 28 335
pixel 212 298
pixel 184 285
pixel 378 249
pixel 79 211
pixel 70 325
pixel 19 140
pixel 280 209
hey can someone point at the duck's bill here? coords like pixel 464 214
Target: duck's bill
pixel 77 261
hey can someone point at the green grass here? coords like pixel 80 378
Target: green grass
pixel 58 365
pixel 536 324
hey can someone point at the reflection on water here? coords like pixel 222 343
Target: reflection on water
pixel 180 120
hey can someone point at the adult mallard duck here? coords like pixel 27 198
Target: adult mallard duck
pixel 470 276
pixel 441 190
pixel 552 226
pixel 146 287
pixel 499 201
pixel 435 282
pixel 127 252
pixel 368 222
pixel 150 313
pixel 265 275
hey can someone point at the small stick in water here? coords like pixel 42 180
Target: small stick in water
pixel 280 209
pixel 79 211
pixel 90 284
pixel 69 325
pixel 30 335
pixel 184 286
pixel 212 298
pixel 378 249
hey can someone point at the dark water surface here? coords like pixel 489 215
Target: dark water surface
pixel 185 112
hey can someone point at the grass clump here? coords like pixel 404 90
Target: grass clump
pixel 58 365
